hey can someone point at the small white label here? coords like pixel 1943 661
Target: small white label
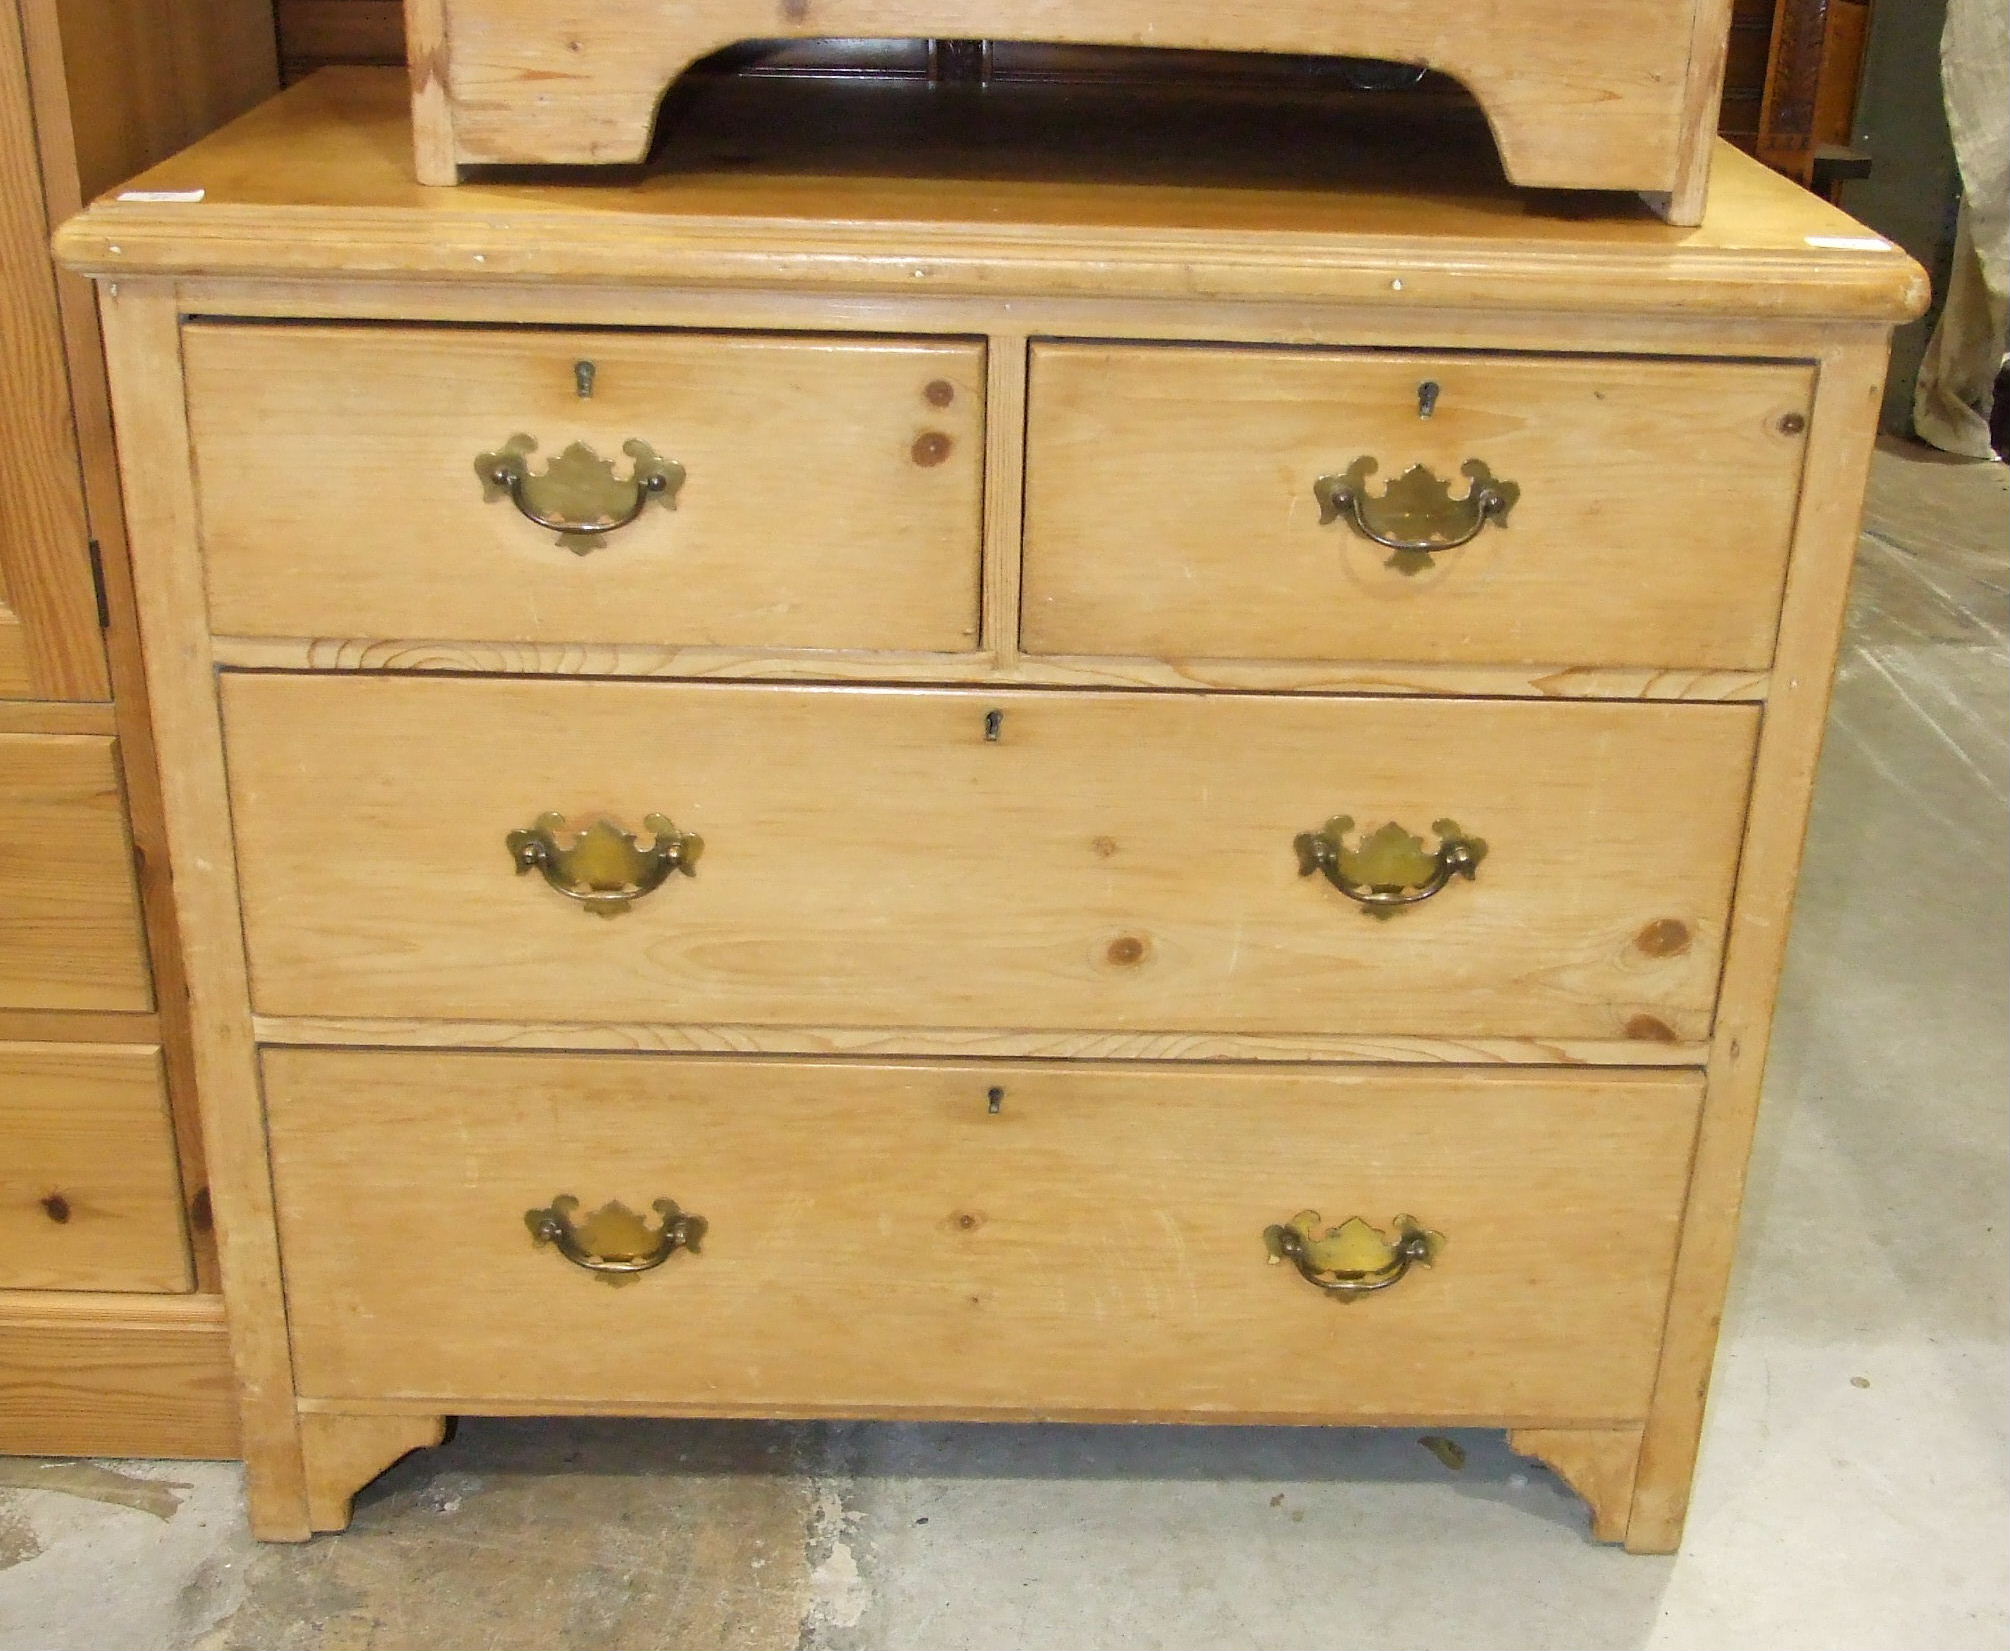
pixel 1850 243
pixel 163 197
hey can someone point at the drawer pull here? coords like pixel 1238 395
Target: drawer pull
pixel 604 868
pixel 1416 516
pixel 578 496
pixel 1391 869
pixel 614 1241
pixel 1353 1259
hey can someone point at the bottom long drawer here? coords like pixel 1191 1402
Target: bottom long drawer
pixel 977 1238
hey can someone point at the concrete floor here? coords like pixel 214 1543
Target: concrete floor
pixel 1853 1494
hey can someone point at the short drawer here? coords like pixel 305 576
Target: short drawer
pixel 70 935
pixel 1192 503
pixel 888 857
pixel 808 492
pixel 90 1196
pixel 878 1236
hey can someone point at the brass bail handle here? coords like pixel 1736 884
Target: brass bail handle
pixel 577 495
pixel 614 1241
pixel 1390 869
pixel 603 867
pixel 1353 1259
pixel 1416 515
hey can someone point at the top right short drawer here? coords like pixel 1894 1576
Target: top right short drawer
pixel 1199 502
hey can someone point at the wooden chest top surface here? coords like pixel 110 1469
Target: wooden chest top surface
pixel 849 185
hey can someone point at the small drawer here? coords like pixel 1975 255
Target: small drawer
pixel 90 1196
pixel 1250 504
pixel 951 859
pixel 70 935
pixel 793 492
pixel 974 1239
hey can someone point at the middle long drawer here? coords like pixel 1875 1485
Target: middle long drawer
pixel 890 857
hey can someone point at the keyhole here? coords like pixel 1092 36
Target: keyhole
pixel 994 1100
pixel 582 378
pixel 994 723
pixel 1427 398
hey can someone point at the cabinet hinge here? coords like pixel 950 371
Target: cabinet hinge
pixel 98 586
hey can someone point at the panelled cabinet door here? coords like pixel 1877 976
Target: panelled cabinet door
pixel 50 645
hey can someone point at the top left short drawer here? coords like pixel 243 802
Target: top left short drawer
pixel 387 482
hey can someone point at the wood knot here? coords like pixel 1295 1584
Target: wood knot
pixel 1648 1029
pixel 938 392
pixel 1125 950
pixel 967 1220
pixel 1665 937
pixel 57 1208
pixel 1104 846
pixel 930 448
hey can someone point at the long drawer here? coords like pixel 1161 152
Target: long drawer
pixel 970 1238
pixel 883 857
pixel 809 492
pixel 1246 504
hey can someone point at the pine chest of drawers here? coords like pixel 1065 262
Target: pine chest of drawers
pixel 998 799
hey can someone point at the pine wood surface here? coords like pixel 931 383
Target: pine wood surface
pixel 364 801
pixel 336 470
pixel 1607 96
pixel 98 1374
pixel 49 642
pixel 69 914
pixel 826 190
pixel 878 1236
pixel 1171 512
pixel 89 1197
pixel 143 352
pixel 872 857
pixel 1843 430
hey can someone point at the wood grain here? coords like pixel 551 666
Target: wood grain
pixel 1189 1045
pixel 344 1453
pixel 112 1375
pixel 1115 862
pixel 338 488
pixel 1171 513
pixel 143 349
pixel 641 659
pixel 69 915
pixel 142 79
pixel 49 642
pixel 878 1236
pixel 89 1197
pixel 815 188
pixel 56 716
pixel 1577 97
pixel 1843 430
pixel 118 85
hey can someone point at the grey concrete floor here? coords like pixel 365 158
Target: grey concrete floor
pixel 1853 1493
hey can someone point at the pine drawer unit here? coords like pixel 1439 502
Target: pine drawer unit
pixel 796 776
pixel 1579 94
